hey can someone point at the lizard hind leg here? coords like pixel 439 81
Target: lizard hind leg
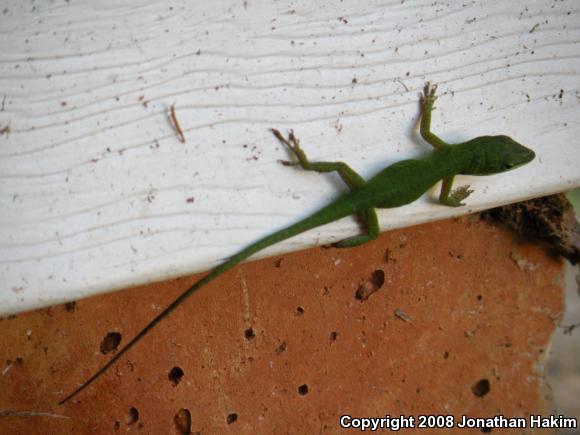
pixel 352 179
pixel 370 222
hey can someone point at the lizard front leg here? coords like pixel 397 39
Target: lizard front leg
pixel 427 100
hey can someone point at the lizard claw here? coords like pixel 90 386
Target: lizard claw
pixel 294 140
pixel 279 136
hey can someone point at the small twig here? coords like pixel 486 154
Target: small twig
pixel 402 315
pixel 7 413
pixel 402 84
pixel 176 125
pixel 568 329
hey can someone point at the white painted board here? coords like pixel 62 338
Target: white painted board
pixel 97 193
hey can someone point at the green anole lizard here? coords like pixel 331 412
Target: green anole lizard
pixel 394 186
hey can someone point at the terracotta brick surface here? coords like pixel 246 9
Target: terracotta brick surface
pixel 447 318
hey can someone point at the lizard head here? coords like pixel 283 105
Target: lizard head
pixel 498 154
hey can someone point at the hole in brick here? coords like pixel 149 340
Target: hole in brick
pixel 299 311
pixel 303 390
pixel 481 388
pixel 378 278
pixel 486 429
pixel 117 425
pixel 249 334
pixel 445 355
pixel 281 348
pixel 232 418
pixel 175 375
pixel 371 285
pixel 479 297
pixel 132 416
pixel 110 342
pixel 333 335
pixel 182 422
pixel 70 306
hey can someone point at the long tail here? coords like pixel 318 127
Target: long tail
pixel 330 213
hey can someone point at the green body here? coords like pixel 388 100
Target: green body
pixel 394 186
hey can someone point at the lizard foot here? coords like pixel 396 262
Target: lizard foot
pixel 293 144
pixel 458 195
pixel 428 97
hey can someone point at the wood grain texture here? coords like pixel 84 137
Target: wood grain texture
pixel 97 192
